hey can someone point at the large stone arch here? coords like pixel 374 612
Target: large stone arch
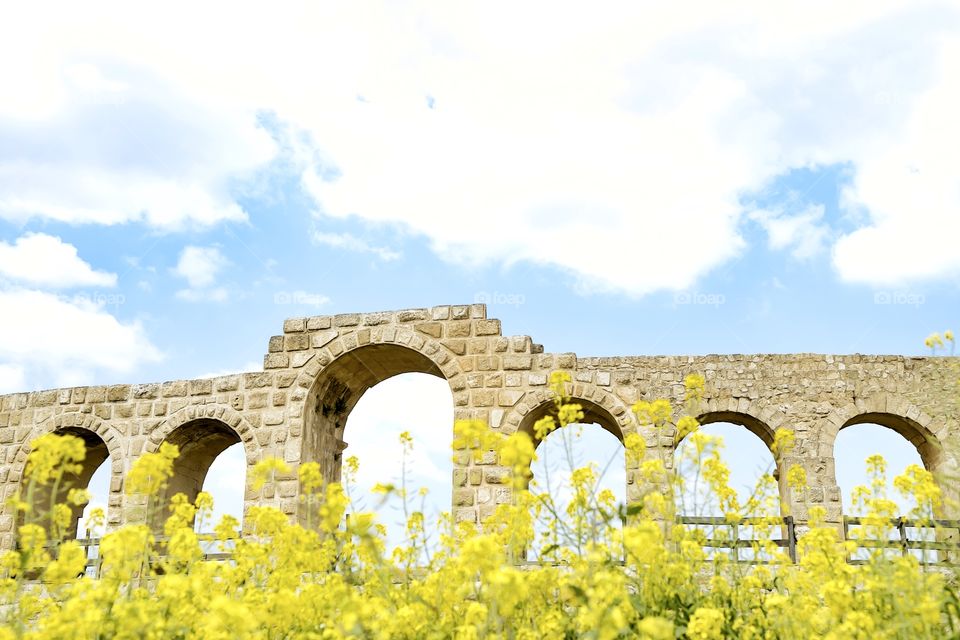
pixel 536 405
pixel 102 443
pixel 212 411
pixel 599 406
pixel 927 434
pixel 342 379
pixel 758 420
pixel 202 433
pixel 921 430
pixel 762 421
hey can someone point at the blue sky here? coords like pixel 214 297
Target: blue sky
pixel 628 180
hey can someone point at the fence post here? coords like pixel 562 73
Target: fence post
pixel 902 529
pixel 791 539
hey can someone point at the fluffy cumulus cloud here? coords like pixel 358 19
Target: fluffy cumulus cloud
pixel 55 339
pixel 614 142
pixel 40 259
pixel 200 266
pixel 803 233
pixel 49 338
pixel 350 242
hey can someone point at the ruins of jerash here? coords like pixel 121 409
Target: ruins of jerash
pixel 316 369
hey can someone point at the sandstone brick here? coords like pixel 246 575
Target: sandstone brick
pixel 291 325
pixel 458 347
pixel 458 329
pixel 297 342
pixel 487 327
pixel 276 361
pixel 517 362
pixel 118 393
pixel 434 329
pixel 346 320
pixel 315 323
pixel 323 338
pixel 411 315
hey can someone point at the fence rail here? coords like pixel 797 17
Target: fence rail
pixel 735 542
pixel 94 564
pixel 948 532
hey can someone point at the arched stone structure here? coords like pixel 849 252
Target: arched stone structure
pixel 217 412
pixel 745 414
pixel 339 385
pixel 930 436
pixel 541 404
pixel 201 434
pixel 330 360
pixel 102 443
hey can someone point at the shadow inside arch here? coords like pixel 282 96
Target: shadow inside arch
pixel 200 441
pixel 96 454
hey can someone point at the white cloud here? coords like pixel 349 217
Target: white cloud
pixel 350 242
pixel 114 144
pixel 40 259
pixel 46 338
pixel 804 233
pixel 911 191
pixel 200 266
pixel 622 134
pixel 11 378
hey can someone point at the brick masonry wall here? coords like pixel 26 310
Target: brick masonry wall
pixel 314 373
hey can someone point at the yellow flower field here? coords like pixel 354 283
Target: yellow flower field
pixel 604 571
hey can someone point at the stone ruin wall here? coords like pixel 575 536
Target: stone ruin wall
pixel 316 371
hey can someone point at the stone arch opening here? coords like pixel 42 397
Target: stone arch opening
pixel 923 440
pixel 338 388
pixel 43 498
pixel 747 451
pixel 900 440
pixel 593 413
pixel 200 441
pixel 385 410
pixel 754 425
pixel 596 440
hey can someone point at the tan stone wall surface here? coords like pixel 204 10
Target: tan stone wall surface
pixel 316 371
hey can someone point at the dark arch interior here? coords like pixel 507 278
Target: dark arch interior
pixel 593 413
pixel 43 499
pixel 200 442
pixel 340 386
